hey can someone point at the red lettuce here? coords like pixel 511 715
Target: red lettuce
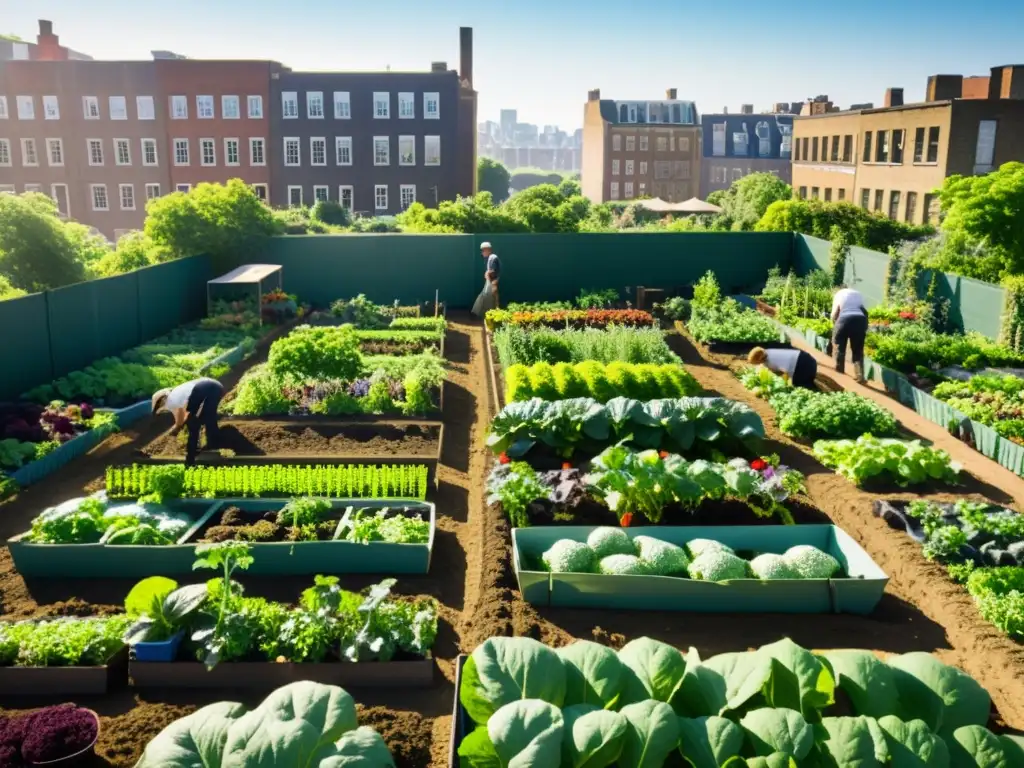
pixel 45 735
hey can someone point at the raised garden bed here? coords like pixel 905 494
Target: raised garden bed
pixel 731 347
pixel 65 681
pixel 859 592
pixel 272 557
pixel 267 675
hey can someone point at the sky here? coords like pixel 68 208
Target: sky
pixel 542 57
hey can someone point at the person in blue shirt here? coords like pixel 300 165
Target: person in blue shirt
pixel 194 406
pixel 795 364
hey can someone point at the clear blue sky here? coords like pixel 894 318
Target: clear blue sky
pixel 542 57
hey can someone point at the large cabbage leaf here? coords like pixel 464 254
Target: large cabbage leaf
pixel 778 730
pixel 506 669
pixel 652 734
pixel 594 674
pixel 527 733
pixel 709 742
pixel 592 737
pixel 941 695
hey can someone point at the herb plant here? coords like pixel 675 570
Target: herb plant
pixel 516 344
pixel 387 525
pixel 729 322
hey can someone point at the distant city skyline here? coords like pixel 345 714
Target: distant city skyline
pixel 541 58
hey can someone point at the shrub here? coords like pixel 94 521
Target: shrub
pixel 317 353
pixel 332 213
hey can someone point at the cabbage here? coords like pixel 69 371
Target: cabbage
pixel 698 547
pixel 622 565
pixel 567 556
pixel 811 563
pixel 610 541
pixel 661 557
pixel 717 565
pixel 771 566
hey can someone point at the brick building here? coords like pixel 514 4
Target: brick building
pixel 892 159
pixel 47 47
pixel 736 145
pixel 635 149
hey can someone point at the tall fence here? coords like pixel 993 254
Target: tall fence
pixel 973 305
pixel 46 335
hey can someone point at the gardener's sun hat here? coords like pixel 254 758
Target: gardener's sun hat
pixel 159 398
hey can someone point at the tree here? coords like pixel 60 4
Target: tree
pixel 226 221
pixel 570 187
pixel 133 251
pixel 815 217
pixel 37 250
pixel 332 213
pixel 746 201
pixel 545 209
pixel 493 177
pixel 464 214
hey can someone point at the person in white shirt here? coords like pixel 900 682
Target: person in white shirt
pixel 194 405
pixel 850 325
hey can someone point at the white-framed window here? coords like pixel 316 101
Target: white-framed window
pixel 91 107
pixel 343 150
pixel 615 167
pixel 59 194
pixel 127 194
pixel 381 150
pixel 99 197
pixel 431 150
pixel 3 108
pixel 684 143
pixel 5 152
pixel 122 152
pixel 51 109
pixel 342 107
pixel 432 106
pixel 34 188
pixel 345 196
pixel 185 188
pixel 152 191
pixel 643 167
pixel 294 196
pixel 118 107
pixel 321 193
pixel 380 197
pixel 407 150
pixel 615 190
pixel 145 108
pixel 204 107
pixel 314 105
pixel 643 143
pixel 179 107
pixel 292 151
pixel 181 152
pixel 207 152
pixel 643 188
pixel 230 108
pixel 55 152
pixel 149 153
pixel 628 190
pixel 255 107
pixel 406 105
pixel 231 152
pixel 290 110
pixel 29 155
pixel 407 195
pixel 95 151
pixel 631 143
pixel 629 167
pixel 257 152
pixel 26 108
pixel 317 150
pixel 381 105
pixel 616 143
pixel 262 191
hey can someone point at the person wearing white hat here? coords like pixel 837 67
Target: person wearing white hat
pixel 194 405
pixel 488 298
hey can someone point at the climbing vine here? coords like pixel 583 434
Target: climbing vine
pixel 1011 332
pixel 838 253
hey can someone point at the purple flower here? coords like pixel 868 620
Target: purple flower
pixel 359 388
pixel 87 411
pixel 769 472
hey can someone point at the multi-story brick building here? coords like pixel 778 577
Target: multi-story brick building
pixel 736 145
pixel 635 149
pixel 892 159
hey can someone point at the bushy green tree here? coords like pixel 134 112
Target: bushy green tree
pixel 464 214
pixel 37 249
pixel 493 177
pixel 331 213
pixel 815 217
pixel 545 209
pixel 746 201
pixel 133 251
pixel 7 291
pixel 226 221
pixel 570 187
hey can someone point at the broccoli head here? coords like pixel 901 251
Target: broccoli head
pixel 607 541
pixel 717 565
pixel 661 557
pixel 698 547
pixel 771 566
pixel 811 563
pixel 567 556
pixel 623 565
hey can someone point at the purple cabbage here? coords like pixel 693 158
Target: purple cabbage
pixel 45 735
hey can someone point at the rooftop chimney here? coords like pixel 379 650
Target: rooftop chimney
pixel 1007 82
pixel 746 109
pixel 944 87
pixel 439 66
pixel 670 94
pixel 594 95
pixel 466 54
pixel 45 28
pixel 976 87
pixel 48 47
pixel 893 97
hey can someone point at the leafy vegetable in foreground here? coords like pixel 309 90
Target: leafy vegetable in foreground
pixel 93 520
pixel 907 462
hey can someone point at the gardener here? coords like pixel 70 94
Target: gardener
pixel 797 366
pixel 850 324
pixel 488 298
pixel 194 405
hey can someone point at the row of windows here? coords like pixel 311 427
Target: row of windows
pixel 627 190
pixel 841 149
pixel 741 140
pixel 117 107
pixel 381 150
pixel 343 107
pixel 661 143
pixel 122 152
pixel 874 200
pixel 720 174
pixel 346 195
pixel 663 169
pixel 885 146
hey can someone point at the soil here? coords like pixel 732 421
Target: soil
pixel 234 524
pixel 473 580
pixel 313 440
pixel 397 347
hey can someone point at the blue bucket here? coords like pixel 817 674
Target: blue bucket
pixel 165 650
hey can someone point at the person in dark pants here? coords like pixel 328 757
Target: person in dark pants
pixel 194 406
pixel 796 365
pixel 850 325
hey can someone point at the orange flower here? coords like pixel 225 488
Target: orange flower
pixel 503 458
pixel 626 520
pixel 566 465
pixel 663 454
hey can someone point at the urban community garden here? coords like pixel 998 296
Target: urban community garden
pixel 576 534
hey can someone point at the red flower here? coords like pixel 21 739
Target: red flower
pixel 566 465
pixel 907 316
pixel 663 454
pixel 759 464
pixel 503 458
pixel 626 520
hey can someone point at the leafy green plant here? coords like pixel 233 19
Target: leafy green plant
pixel 706 293
pixel 601 382
pixel 392 526
pixel 807 414
pixel 93 520
pixel 65 642
pixel 729 322
pixel 435 325
pixel 999 595
pixel 310 352
pixel 158 608
pixel 302 725
pixel 516 492
pixel 516 344
pixel 907 462
pixel 597 299
pixel 228 557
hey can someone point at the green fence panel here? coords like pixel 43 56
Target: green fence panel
pixel 24 345
pixel 117 314
pixel 810 253
pixel 171 294
pixel 74 327
pixel 385 267
pixel 865 272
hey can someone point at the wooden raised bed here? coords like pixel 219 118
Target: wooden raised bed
pixel 64 681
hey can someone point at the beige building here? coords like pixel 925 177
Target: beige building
pixel 634 149
pixel 892 159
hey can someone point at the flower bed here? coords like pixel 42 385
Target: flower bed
pixel 569 318
pixel 794 569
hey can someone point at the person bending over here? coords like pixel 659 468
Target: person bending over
pixel 194 407
pixel 850 324
pixel 797 366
